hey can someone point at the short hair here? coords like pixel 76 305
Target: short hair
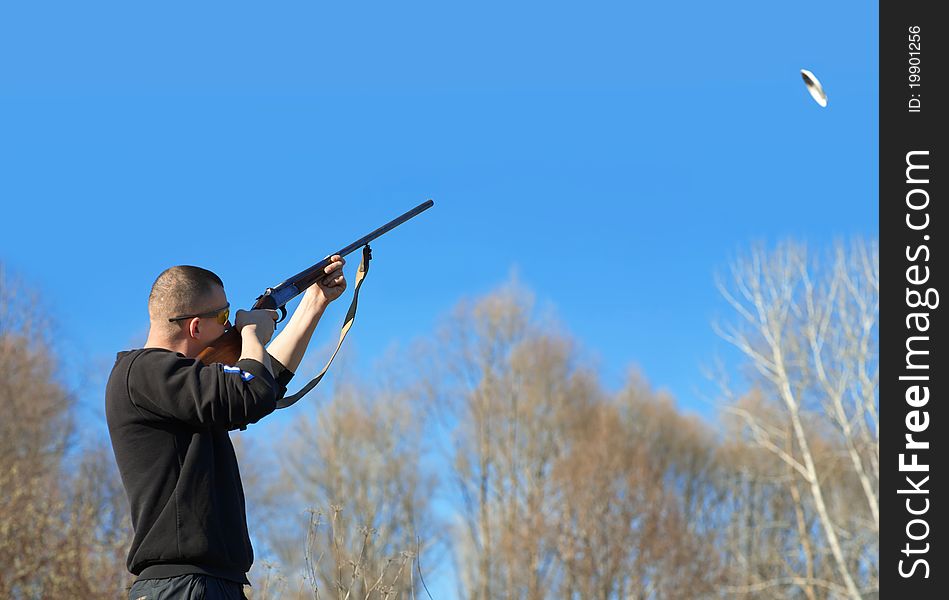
pixel 180 290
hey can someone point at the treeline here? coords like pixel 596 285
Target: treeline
pixel 494 448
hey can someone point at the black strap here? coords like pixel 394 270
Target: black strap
pixel 347 324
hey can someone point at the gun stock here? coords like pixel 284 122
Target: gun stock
pixel 226 349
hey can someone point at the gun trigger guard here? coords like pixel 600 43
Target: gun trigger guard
pixel 283 314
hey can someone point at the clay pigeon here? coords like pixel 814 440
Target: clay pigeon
pixel 814 87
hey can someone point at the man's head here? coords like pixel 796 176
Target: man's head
pixel 186 307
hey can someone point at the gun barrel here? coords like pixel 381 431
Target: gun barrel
pixel 387 227
pixel 309 276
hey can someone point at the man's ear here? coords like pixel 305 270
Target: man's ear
pixel 194 327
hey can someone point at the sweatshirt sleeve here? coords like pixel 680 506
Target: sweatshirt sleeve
pixel 282 375
pixel 216 395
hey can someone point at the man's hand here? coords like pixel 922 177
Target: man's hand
pixel 332 285
pixel 289 346
pixel 260 322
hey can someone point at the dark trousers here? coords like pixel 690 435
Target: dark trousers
pixel 187 587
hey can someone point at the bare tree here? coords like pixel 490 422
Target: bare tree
pixel 63 518
pixel 351 477
pixel 809 330
pixel 567 491
pixel 501 409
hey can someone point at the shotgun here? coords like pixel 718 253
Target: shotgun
pixel 227 348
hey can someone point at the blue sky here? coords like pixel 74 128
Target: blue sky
pixel 614 154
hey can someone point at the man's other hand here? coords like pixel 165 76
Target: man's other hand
pixel 261 322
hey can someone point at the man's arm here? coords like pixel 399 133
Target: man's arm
pixel 256 327
pixel 172 386
pixel 290 344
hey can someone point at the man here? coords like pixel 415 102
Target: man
pixel 169 416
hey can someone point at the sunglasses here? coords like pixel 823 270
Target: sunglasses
pixel 221 314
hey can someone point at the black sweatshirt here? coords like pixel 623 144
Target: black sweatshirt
pixel 169 418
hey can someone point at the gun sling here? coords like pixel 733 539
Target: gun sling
pixel 347 324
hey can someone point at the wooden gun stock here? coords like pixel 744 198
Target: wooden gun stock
pixel 226 349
